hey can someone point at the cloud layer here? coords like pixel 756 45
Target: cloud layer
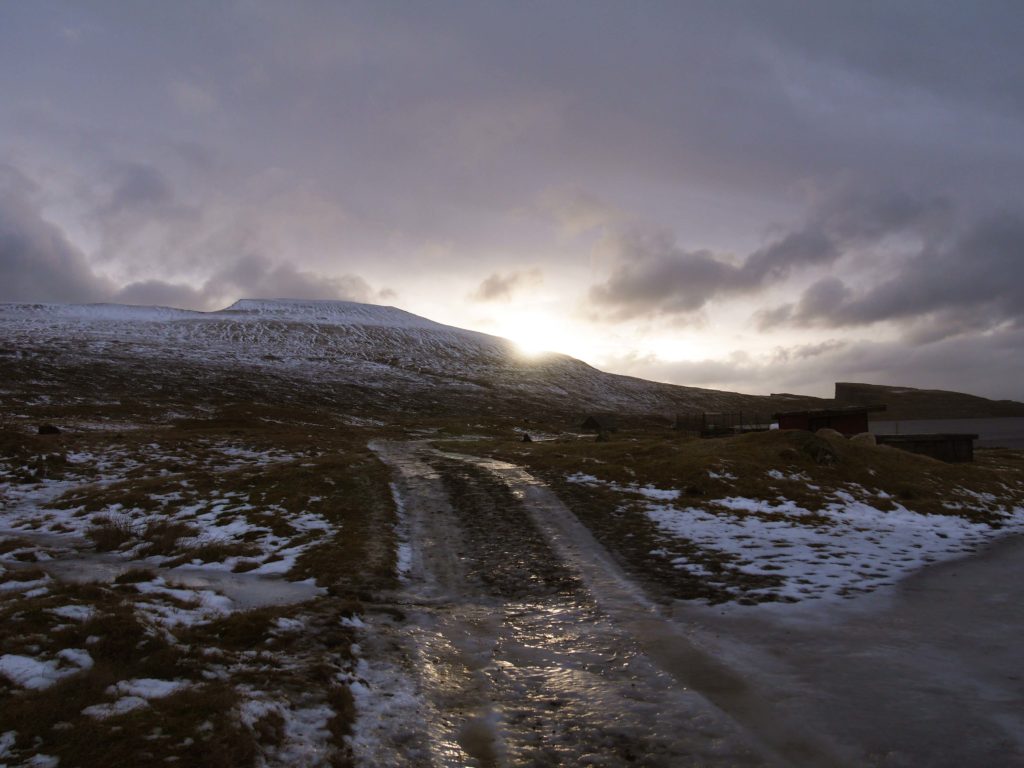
pixel 779 175
pixel 972 280
pixel 653 275
pixel 39 263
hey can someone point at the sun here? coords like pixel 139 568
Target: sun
pixel 531 338
pixel 536 332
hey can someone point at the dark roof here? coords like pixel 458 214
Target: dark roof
pixel 845 410
pixel 936 436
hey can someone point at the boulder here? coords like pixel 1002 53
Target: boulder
pixel 864 438
pixel 48 429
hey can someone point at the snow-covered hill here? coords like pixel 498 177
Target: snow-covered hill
pixel 337 344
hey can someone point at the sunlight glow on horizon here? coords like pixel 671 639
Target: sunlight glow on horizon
pixel 536 331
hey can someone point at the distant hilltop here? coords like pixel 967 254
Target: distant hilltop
pixel 910 403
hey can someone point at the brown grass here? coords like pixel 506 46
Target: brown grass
pixel 360 559
pixel 213 552
pixel 109 533
pixel 162 536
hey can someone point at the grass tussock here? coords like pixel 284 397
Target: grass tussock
pixel 109 533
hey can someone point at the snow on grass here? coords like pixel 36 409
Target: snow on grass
pixel 74 612
pixel 228 527
pixel 36 674
pixel 185 606
pixel 42 761
pixel 657 493
pixel 120 707
pixel 7 740
pixel 846 547
pixel 723 475
pixel 849 546
pixel 134 694
pixel 647 491
pixel 30 588
pixel 304 733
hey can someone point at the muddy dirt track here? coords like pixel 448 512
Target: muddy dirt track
pixel 516 640
pixel 532 648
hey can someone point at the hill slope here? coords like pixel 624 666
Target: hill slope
pixel 360 355
pixel 910 403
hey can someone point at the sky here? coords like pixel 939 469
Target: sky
pixel 753 196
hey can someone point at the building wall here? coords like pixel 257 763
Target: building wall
pixel 954 449
pixel 846 423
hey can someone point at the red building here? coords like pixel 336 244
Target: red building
pixel 851 420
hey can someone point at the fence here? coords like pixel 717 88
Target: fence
pixel 721 424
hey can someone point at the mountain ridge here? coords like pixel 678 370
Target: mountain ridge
pixel 913 403
pixel 377 357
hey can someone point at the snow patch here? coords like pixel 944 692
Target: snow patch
pixel 857 548
pixel 37 675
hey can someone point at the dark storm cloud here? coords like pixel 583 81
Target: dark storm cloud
pixel 257 277
pixel 160 294
pixel 139 186
pixel 501 286
pixel 972 280
pixel 438 119
pixel 654 276
pixel 250 277
pixel 37 262
pixel 990 364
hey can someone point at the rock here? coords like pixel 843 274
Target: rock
pixel 48 429
pixel 828 432
pixel 865 438
pixel 527 438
